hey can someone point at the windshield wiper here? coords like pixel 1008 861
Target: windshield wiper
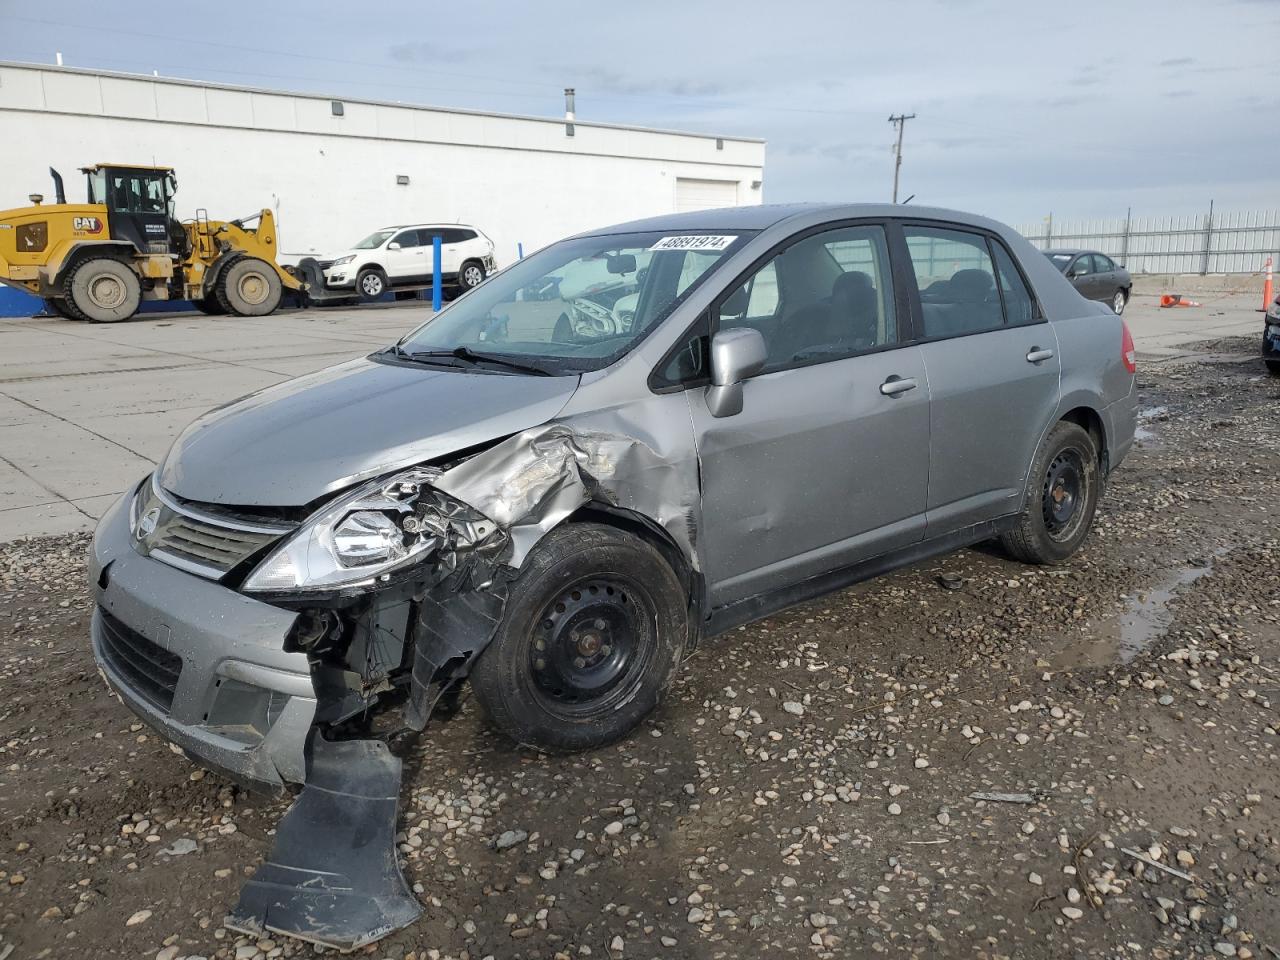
pixel 468 355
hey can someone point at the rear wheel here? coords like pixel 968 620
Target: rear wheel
pixel 371 284
pixel 1118 301
pixel 102 290
pixel 248 287
pixel 1065 485
pixel 591 637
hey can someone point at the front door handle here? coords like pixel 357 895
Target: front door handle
pixel 1039 356
pixel 896 385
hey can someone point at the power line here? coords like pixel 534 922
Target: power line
pixel 900 121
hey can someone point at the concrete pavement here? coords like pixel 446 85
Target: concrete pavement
pixel 87 409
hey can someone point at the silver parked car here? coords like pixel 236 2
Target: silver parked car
pixel 557 500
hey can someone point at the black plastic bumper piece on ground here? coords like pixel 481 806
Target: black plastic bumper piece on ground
pixel 332 877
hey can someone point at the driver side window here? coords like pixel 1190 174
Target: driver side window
pixel 825 297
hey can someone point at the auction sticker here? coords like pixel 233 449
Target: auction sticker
pixel 694 241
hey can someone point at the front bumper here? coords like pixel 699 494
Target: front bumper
pixel 201 664
pixel 1271 338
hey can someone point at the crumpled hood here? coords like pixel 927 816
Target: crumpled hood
pixel 297 441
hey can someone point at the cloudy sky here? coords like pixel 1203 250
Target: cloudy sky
pixel 1022 108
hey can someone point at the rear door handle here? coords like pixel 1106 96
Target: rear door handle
pixel 1039 356
pixel 896 385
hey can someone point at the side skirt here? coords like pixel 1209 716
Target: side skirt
pixel 761 605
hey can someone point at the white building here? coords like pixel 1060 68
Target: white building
pixel 334 170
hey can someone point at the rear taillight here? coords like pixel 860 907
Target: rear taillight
pixel 1127 349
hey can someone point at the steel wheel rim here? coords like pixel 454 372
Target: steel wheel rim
pixel 1117 304
pixel 253 288
pixel 592 645
pixel 1062 500
pixel 472 276
pixel 106 291
pixel 372 284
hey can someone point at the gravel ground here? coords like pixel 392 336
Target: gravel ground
pixel 813 786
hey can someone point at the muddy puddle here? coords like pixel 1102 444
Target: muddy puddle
pixel 1144 619
pixel 1148 417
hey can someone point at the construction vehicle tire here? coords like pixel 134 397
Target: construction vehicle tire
pixel 58 306
pixel 248 287
pixel 209 305
pixel 101 290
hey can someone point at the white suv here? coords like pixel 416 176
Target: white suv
pixel 398 257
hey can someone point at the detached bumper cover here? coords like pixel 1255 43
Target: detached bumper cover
pixel 203 665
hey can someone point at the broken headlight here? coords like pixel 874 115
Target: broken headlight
pixel 358 538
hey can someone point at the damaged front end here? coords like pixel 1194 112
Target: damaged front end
pixel 385 596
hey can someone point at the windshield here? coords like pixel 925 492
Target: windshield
pixel 577 305
pixel 375 239
pixel 1060 260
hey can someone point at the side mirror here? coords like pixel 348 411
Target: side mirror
pixel 393 245
pixel 735 355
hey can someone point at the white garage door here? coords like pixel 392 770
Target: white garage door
pixel 705 194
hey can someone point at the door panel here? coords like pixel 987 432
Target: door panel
pixel 410 262
pixel 820 469
pixel 989 407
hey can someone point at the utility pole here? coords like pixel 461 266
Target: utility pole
pixel 899 121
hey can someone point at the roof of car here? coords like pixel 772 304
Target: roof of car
pixel 404 226
pixel 765 215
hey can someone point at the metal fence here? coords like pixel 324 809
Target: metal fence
pixel 1212 242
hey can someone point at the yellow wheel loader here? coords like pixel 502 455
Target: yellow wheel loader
pixel 99 260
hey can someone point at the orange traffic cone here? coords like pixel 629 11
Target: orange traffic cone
pixel 1176 300
pixel 1268 295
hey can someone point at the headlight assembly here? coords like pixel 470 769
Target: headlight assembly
pixel 370 533
pixel 341 260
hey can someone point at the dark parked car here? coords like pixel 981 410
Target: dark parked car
pixel 1095 275
pixel 1271 337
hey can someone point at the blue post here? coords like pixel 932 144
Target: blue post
pixel 519 251
pixel 435 274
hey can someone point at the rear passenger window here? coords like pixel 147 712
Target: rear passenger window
pixel 825 297
pixel 956 280
pixel 1019 306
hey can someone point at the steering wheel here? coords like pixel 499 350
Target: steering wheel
pixel 591 320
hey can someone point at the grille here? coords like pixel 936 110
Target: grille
pixel 205 544
pixel 151 670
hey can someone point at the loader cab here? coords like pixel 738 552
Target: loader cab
pixel 140 206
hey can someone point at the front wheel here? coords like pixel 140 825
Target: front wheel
pixel 371 284
pixel 471 275
pixel 1063 496
pixel 1118 301
pixel 1273 366
pixel 248 287
pixel 591 637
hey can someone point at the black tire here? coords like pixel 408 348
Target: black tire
pixel 209 305
pixel 1064 486
pixel 591 638
pixel 248 287
pixel 1118 301
pixel 57 307
pixel 102 290
pixel 471 274
pixel 371 284
pixel 1273 366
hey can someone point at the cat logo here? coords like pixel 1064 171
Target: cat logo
pixel 86 224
